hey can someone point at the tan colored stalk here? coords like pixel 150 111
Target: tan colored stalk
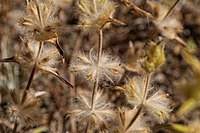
pixel 98 62
pixel 32 73
pixel 147 79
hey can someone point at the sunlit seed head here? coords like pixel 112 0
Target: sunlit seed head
pixel 134 90
pixel 39 20
pixel 158 105
pixel 85 66
pixel 95 18
pixel 98 116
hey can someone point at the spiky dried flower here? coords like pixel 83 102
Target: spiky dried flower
pixel 26 113
pixel 39 20
pixel 134 90
pixel 95 16
pixel 86 66
pixel 97 117
pixel 156 104
pixel 125 115
pixel 46 61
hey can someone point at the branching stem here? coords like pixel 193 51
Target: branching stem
pixel 145 90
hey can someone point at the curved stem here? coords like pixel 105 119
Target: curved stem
pixel 98 62
pixel 146 86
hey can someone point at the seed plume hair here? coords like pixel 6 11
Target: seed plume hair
pixel 96 16
pixel 85 65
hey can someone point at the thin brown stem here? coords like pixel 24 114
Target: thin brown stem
pixel 170 10
pixel 146 86
pixel 32 73
pixel 15 127
pixel 98 62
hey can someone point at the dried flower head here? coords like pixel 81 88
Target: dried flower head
pixel 137 93
pixel 26 113
pixel 134 90
pixel 96 14
pixel 139 126
pixel 86 66
pixel 39 20
pixel 97 117
pixel 169 24
pixel 46 61
pixel 158 106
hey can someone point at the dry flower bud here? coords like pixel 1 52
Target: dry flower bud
pixel 86 66
pixel 154 57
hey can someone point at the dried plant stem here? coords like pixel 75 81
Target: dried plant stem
pixel 98 62
pixel 95 6
pixel 170 10
pixel 15 127
pixel 127 3
pixel 147 79
pixel 32 73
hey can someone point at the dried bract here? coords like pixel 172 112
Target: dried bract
pixel 86 67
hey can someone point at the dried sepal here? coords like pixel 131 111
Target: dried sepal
pixel 26 113
pixel 97 117
pixel 95 16
pixel 85 66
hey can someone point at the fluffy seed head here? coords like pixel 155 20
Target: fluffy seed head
pixel 39 21
pixel 95 16
pixel 158 106
pixel 134 90
pixel 47 59
pixel 98 116
pixel 86 67
pixel 26 113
